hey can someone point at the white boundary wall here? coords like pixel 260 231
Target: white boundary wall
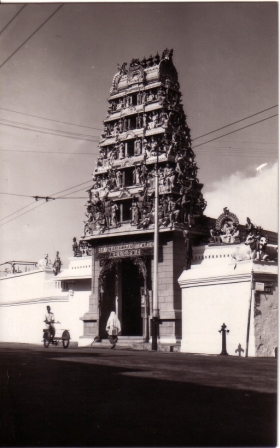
pixel 217 290
pixel 23 301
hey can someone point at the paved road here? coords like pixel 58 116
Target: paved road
pixel 100 397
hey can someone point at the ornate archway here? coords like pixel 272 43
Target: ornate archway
pixel 107 266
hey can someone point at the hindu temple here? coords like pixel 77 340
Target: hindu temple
pixel 145 132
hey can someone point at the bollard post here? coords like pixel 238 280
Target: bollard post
pixel 224 342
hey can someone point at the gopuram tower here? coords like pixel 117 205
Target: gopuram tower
pixel 145 132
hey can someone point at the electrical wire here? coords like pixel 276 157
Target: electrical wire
pixel 23 213
pixel 228 133
pixel 31 203
pixel 6 26
pixel 49 152
pixel 43 130
pixel 238 121
pixel 31 35
pixel 83 183
pixel 50 119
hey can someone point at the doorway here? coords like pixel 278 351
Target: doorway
pixel 108 303
pixel 132 281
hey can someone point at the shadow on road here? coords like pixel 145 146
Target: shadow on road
pixel 52 403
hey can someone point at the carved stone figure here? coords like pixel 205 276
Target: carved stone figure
pixel 145 121
pixel 125 125
pixel 153 120
pixel 76 248
pixel 107 211
pixel 100 221
pixel 146 148
pixel 249 226
pixel 114 219
pixel 136 175
pixel 119 179
pixel 145 220
pixel 150 97
pixel 164 119
pixel 121 126
pixel 57 264
pixel 139 122
pixel 154 146
pixel 139 98
pixel 143 174
pixel 169 175
pixel 215 236
pixel 137 147
pixel 121 150
pixel 120 105
pixel 141 203
pixel 174 211
pixel 134 212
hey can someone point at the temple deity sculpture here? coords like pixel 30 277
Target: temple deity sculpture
pixel 145 121
pixel 121 126
pixel 121 150
pixel 119 179
pixel 154 146
pixel 136 175
pixel 125 125
pixel 249 226
pixel 114 219
pixel 137 147
pixel 116 129
pixel 76 248
pixel 143 174
pixel 146 148
pixel 139 98
pixel 150 97
pixel 120 105
pixel 153 120
pixel 164 119
pixel 169 175
pixel 139 122
pixel 57 264
pixel 107 211
pixel 134 212
pixel 174 211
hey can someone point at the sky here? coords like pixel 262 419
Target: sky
pixel 53 99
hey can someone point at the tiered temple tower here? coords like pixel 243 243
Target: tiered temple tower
pixel 145 132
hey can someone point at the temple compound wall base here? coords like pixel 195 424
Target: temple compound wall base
pixel 243 295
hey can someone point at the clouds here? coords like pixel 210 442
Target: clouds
pixel 255 196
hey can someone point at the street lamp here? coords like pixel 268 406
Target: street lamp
pixel 155 280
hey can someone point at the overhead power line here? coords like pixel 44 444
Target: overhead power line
pixel 238 121
pixel 32 203
pixel 31 35
pixel 50 119
pixel 39 205
pixel 49 152
pixel 232 132
pixel 41 129
pixel 13 18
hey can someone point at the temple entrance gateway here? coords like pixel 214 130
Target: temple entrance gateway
pixel 123 283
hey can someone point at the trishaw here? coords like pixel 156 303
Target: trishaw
pixel 60 335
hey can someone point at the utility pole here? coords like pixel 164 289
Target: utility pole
pixel 155 280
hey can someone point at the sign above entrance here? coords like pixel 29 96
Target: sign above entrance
pixel 140 249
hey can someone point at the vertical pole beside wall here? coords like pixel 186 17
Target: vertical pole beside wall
pixel 155 279
pixel 249 317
